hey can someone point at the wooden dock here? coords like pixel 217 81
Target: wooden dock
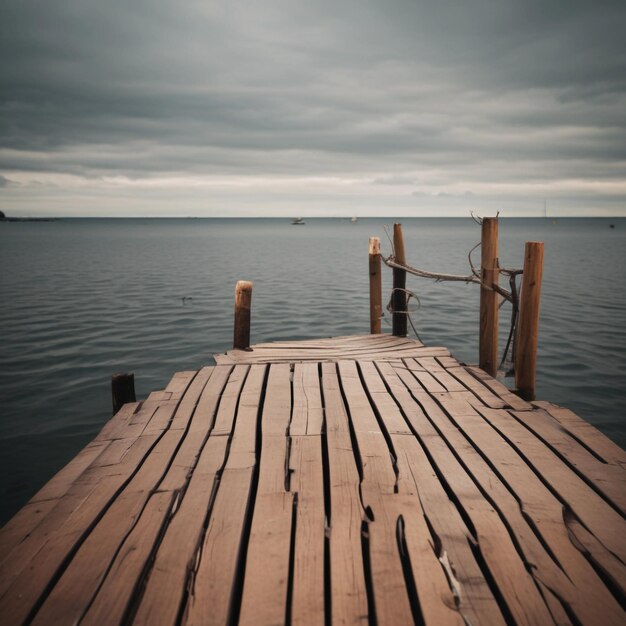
pixel 355 480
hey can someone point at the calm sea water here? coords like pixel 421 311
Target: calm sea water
pixel 82 299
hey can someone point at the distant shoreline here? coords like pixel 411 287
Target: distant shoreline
pixel 36 219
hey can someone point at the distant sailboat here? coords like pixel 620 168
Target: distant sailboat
pixel 298 221
pixel 545 211
pixel 354 219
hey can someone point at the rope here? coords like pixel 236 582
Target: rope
pixel 410 295
pixel 475 277
pixel 511 339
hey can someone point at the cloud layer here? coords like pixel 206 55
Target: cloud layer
pixel 320 108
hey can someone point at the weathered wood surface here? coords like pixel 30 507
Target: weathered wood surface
pixel 363 347
pixel 351 490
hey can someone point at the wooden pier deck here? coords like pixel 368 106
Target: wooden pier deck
pixel 358 480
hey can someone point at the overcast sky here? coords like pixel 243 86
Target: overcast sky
pixel 352 107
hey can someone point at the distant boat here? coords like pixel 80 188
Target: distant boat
pixel 298 221
pixel 545 211
pixel 354 219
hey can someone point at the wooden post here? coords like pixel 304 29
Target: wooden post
pixel 528 325
pixel 122 390
pixel 376 290
pixel 398 300
pixel 489 274
pixel 243 302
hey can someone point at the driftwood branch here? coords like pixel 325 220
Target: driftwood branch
pixel 390 262
pixel 440 277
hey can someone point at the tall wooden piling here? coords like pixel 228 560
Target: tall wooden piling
pixel 376 294
pixel 398 300
pixel 122 390
pixel 488 340
pixel 528 325
pixel 243 303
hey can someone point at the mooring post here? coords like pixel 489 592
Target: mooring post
pixel 122 390
pixel 243 302
pixel 376 290
pixel 489 273
pixel 398 299
pixel 528 325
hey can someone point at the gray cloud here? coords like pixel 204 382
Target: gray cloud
pixel 449 97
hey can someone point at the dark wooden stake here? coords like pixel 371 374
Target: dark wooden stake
pixel 122 390
pixel 489 274
pixel 528 325
pixel 243 303
pixel 398 300
pixel 376 289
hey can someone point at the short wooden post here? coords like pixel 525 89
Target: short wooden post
pixel 243 302
pixel 376 290
pixel 398 299
pixel 489 274
pixel 528 325
pixel 122 390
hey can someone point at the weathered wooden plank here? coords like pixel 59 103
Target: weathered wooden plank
pixel 264 594
pixel 307 483
pixel 210 580
pixel 223 359
pixel 347 576
pixel 378 484
pixel 607 478
pixel 560 568
pixel 502 391
pixel 159 395
pixel 152 417
pixel 178 385
pixel 438 603
pixel 76 511
pixel 175 453
pixel 337 342
pixel 153 412
pixel 426 379
pixel 612 568
pixel 589 598
pixel 593 511
pixel 449 361
pixel 308 414
pixel 333 349
pixel 112 601
pixel 585 433
pixel 345 353
pixel 323 341
pixel 379 343
pixel 477 387
pixel 401 354
pixel 453 538
pixel 118 421
pixel 21 583
pixel 114 457
pixel 433 366
pixel 181 505
pixel 29 517
pixel 179 555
